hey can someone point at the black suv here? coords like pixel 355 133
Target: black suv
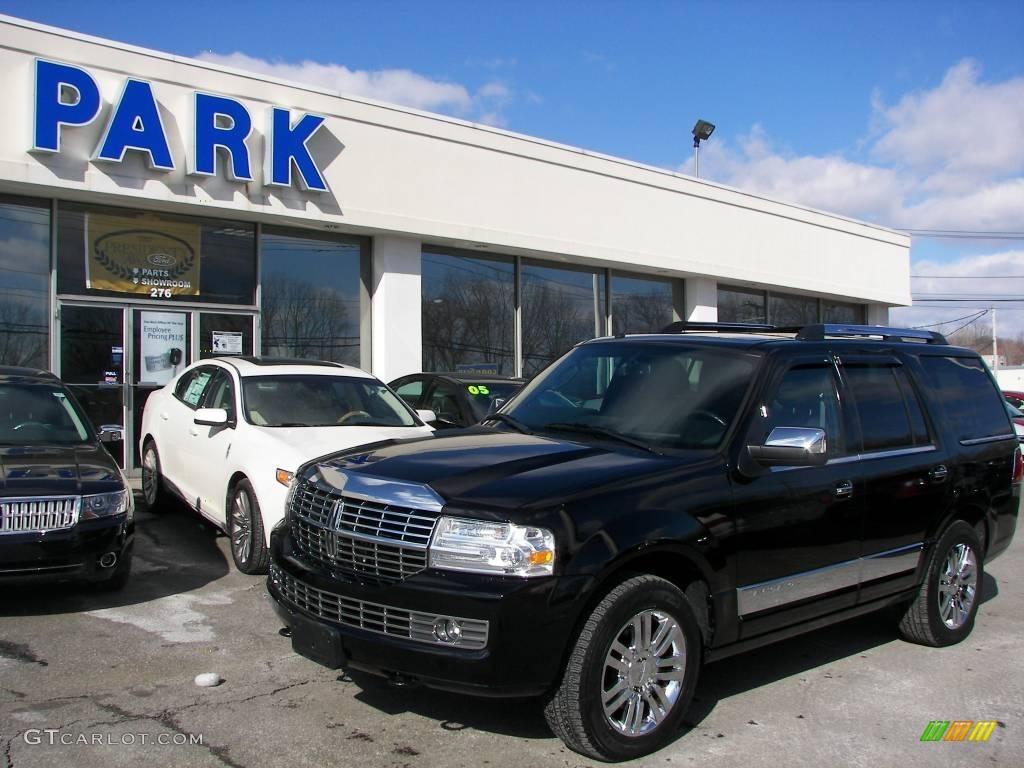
pixel 66 512
pixel 650 503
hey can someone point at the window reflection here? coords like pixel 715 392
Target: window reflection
pixel 561 307
pixel 841 312
pixel 310 296
pixel 640 305
pixel 741 305
pixel 788 310
pixel 468 312
pixel 24 282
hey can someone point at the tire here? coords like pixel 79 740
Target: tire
pixel 947 602
pixel 153 491
pixel 245 530
pixel 608 664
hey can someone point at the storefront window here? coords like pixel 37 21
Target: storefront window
pixel 741 305
pixel 640 304
pixel 140 255
pixel 561 307
pixel 788 310
pixel 841 312
pixel 24 282
pixel 310 296
pixel 468 313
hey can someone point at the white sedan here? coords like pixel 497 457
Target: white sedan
pixel 227 434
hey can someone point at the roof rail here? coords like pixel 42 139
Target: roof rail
pixel 827 330
pixel 682 326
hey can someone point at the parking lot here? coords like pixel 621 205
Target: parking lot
pixel 93 679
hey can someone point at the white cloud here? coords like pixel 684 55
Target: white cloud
pixel 397 86
pixel 946 158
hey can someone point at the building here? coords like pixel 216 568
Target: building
pixel 155 210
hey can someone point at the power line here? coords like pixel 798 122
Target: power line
pixel 970 277
pixel 973 316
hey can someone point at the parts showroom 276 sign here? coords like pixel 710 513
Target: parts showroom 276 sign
pixel 141 255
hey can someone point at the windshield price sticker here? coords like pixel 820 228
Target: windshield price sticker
pixel 478 389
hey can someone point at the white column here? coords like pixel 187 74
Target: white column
pixel 701 300
pixel 395 307
pixel 878 314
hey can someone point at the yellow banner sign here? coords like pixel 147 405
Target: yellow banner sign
pixel 143 255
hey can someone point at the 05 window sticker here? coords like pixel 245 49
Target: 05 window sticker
pixel 478 389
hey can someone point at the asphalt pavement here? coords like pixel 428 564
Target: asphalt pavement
pixel 91 679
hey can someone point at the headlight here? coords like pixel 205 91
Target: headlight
pixel 106 504
pixel 480 546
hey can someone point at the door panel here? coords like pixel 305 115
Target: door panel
pixel 798 528
pixel 209 448
pixel 92 364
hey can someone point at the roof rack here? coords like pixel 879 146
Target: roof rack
pixel 682 326
pixel 815 332
pixel 886 333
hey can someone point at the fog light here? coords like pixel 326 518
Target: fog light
pixel 447 630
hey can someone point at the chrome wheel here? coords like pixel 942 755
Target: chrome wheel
pixel 958 586
pixel 150 476
pixel 643 673
pixel 241 526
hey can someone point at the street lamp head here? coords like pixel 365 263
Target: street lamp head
pixel 701 131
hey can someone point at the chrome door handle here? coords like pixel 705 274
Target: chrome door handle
pixel 164 416
pixel 844 489
pixel 938 474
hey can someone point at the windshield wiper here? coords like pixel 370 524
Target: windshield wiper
pixel 513 422
pixel 591 429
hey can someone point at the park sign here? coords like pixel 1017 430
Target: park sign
pixel 67 96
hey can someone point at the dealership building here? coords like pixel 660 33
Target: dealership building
pixel 156 210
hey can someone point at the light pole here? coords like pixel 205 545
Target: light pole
pixel 701 131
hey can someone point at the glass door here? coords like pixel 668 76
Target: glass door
pixel 92 364
pixel 159 352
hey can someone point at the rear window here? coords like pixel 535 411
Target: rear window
pixel 969 396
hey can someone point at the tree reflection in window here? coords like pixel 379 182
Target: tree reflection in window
pixel 24 282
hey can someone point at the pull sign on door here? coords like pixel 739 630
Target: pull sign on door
pixel 68 96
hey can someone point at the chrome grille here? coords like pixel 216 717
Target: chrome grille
pixel 375 617
pixel 33 515
pixel 360 538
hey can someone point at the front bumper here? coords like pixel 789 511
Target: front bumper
pixel 528 624
pixel 67 555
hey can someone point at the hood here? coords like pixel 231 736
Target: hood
pixel 486 468
pixel 309 442
pixel 50 470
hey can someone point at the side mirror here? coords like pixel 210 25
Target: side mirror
pixel 111 433
pixel 427 416
pixel 792 447
pixel 211 417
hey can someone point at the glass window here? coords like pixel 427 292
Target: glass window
pixel 560 307
pixel 786 309
pixel 39 413
pixel 640 304
pixel 221 394
pixel 841 312
pixel 659 395
pixel 806 397
pixel 483 394
pixel 444 402
pixel 411 392
pixel 222 334
pixel 310 296
pixel 741 305
pixel 969 396
pixel 884 416
pixel 321 401
pixel 468 312
pixel 24 283
pixel 192 385
pixel 122 252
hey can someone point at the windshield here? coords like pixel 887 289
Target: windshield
pixel 39 413
pixel 658 395
pixel 482 394
pixel 321 401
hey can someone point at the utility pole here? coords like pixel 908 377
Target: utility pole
pixel 995 342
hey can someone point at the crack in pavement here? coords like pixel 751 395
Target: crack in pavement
pixel 8 760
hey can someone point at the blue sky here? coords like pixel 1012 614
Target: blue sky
pixel 909 114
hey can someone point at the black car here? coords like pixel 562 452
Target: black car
pixel 66 512
pixel 457 399
pixel 650 503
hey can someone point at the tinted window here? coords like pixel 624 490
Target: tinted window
pixel 640 304
pixel 741 305
pixel 887 419
pixel 806 397
pixel 411 392
pixel 968 394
